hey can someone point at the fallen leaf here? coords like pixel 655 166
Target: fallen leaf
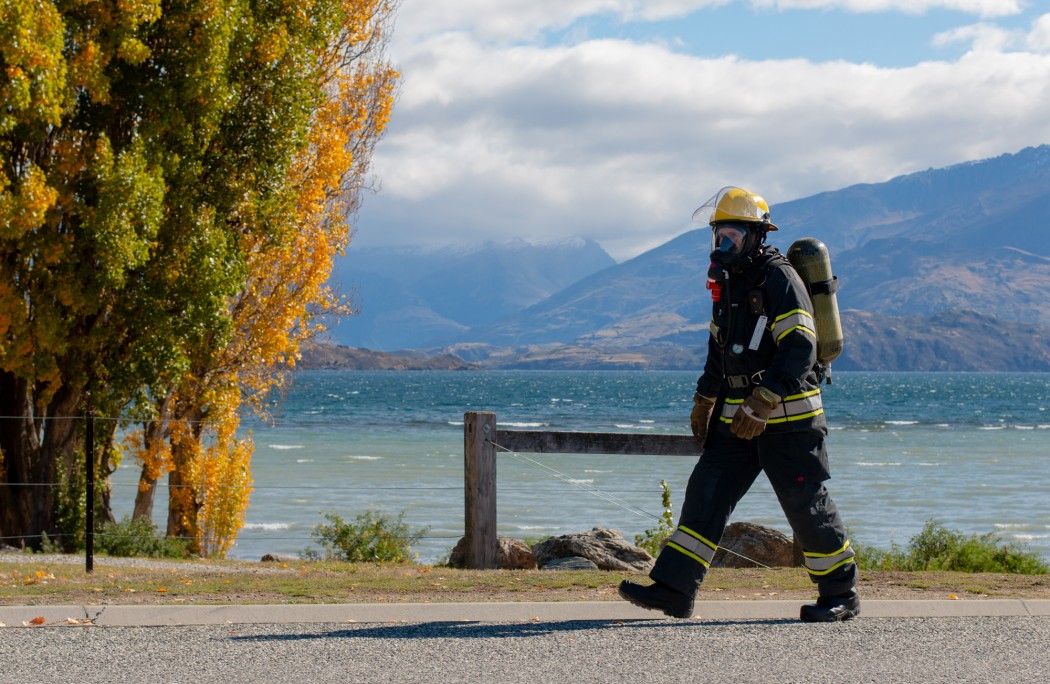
pixel 37 621
pixel 953 597
pixel 161 589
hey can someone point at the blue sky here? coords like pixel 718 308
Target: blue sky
pixel 614 119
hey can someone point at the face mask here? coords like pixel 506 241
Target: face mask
pixel 729 239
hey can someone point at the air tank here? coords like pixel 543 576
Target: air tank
pixel 812 261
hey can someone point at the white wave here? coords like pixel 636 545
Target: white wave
pixel 581 481
pixel 635 427
pixel 267 526
pixel 1031 537
pixel 304 460
pixel 864 464
pixel 646 421
pixel 455 423
pixel 929 465
pixel 901 422
pixel 1011 526
pixel 351 457
pixel 992 427
pixel 526 425
pixel 599 472
pixel 532 527
pixel 284 447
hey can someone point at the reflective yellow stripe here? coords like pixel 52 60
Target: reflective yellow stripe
pixel 729 409
pixel 836 566
pixel 800 328
pixel 799 319
pixel 693 545
pixel 820 564
pixel 795 407
pixel 714 329
pixel 698 559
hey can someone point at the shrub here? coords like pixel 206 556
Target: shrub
pixel 938 548
pixel 653 540
pixel 372 537
pixel 130 538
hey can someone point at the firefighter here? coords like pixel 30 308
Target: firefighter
pixel 757 408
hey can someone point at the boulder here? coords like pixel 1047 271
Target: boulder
pixel 607 549
pixel 511 554
pixel 763 544
pixel 571 563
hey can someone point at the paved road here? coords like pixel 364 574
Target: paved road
pixel 1001 641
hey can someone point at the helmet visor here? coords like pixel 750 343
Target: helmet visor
pixel 730 239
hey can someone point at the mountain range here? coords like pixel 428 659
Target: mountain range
pixel 944 269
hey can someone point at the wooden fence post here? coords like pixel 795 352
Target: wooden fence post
pixel 479 468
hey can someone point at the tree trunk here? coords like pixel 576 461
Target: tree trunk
pixel 31 447
pixel 20 448
pixel 145 496
pixel 183 504
pixel 153 434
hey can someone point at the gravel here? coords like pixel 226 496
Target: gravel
pixel 929 650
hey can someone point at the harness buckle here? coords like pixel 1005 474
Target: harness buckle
pixel 738 381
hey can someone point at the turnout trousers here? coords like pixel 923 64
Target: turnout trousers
pixel 796 464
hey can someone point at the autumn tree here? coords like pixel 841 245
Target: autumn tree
pixel 177 179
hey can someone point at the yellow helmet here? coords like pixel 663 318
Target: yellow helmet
pixel 734 204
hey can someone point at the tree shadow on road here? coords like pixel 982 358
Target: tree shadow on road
pixel 489 630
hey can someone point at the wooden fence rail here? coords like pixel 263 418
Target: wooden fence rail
pixel 480 440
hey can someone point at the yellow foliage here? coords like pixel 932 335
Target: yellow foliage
pixel 96 195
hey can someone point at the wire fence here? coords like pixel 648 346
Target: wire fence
pixel 327 491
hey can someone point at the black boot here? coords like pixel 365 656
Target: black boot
pixel 832 608
pixel 658 597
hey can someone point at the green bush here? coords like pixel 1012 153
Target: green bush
pixel 372 537
pixel 653 540
pixel 938 548
pixel 139 538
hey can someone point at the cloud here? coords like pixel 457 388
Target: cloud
pixel 620 141
pixel 981 8
pixel 527 19
pixel 981 37
pixel 1039 38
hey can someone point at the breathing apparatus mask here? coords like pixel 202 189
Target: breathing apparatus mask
pixel 732 242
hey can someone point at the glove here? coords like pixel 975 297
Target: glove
pixel 700 418
pixel 750 419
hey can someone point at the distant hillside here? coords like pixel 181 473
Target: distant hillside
pixel 410 298
pixel 337 357
pixel 969 237
pixel 959 340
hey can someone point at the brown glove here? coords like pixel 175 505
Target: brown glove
pixel 700 418
pixel 750 419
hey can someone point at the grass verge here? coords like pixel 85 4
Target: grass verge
pixel 48 582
